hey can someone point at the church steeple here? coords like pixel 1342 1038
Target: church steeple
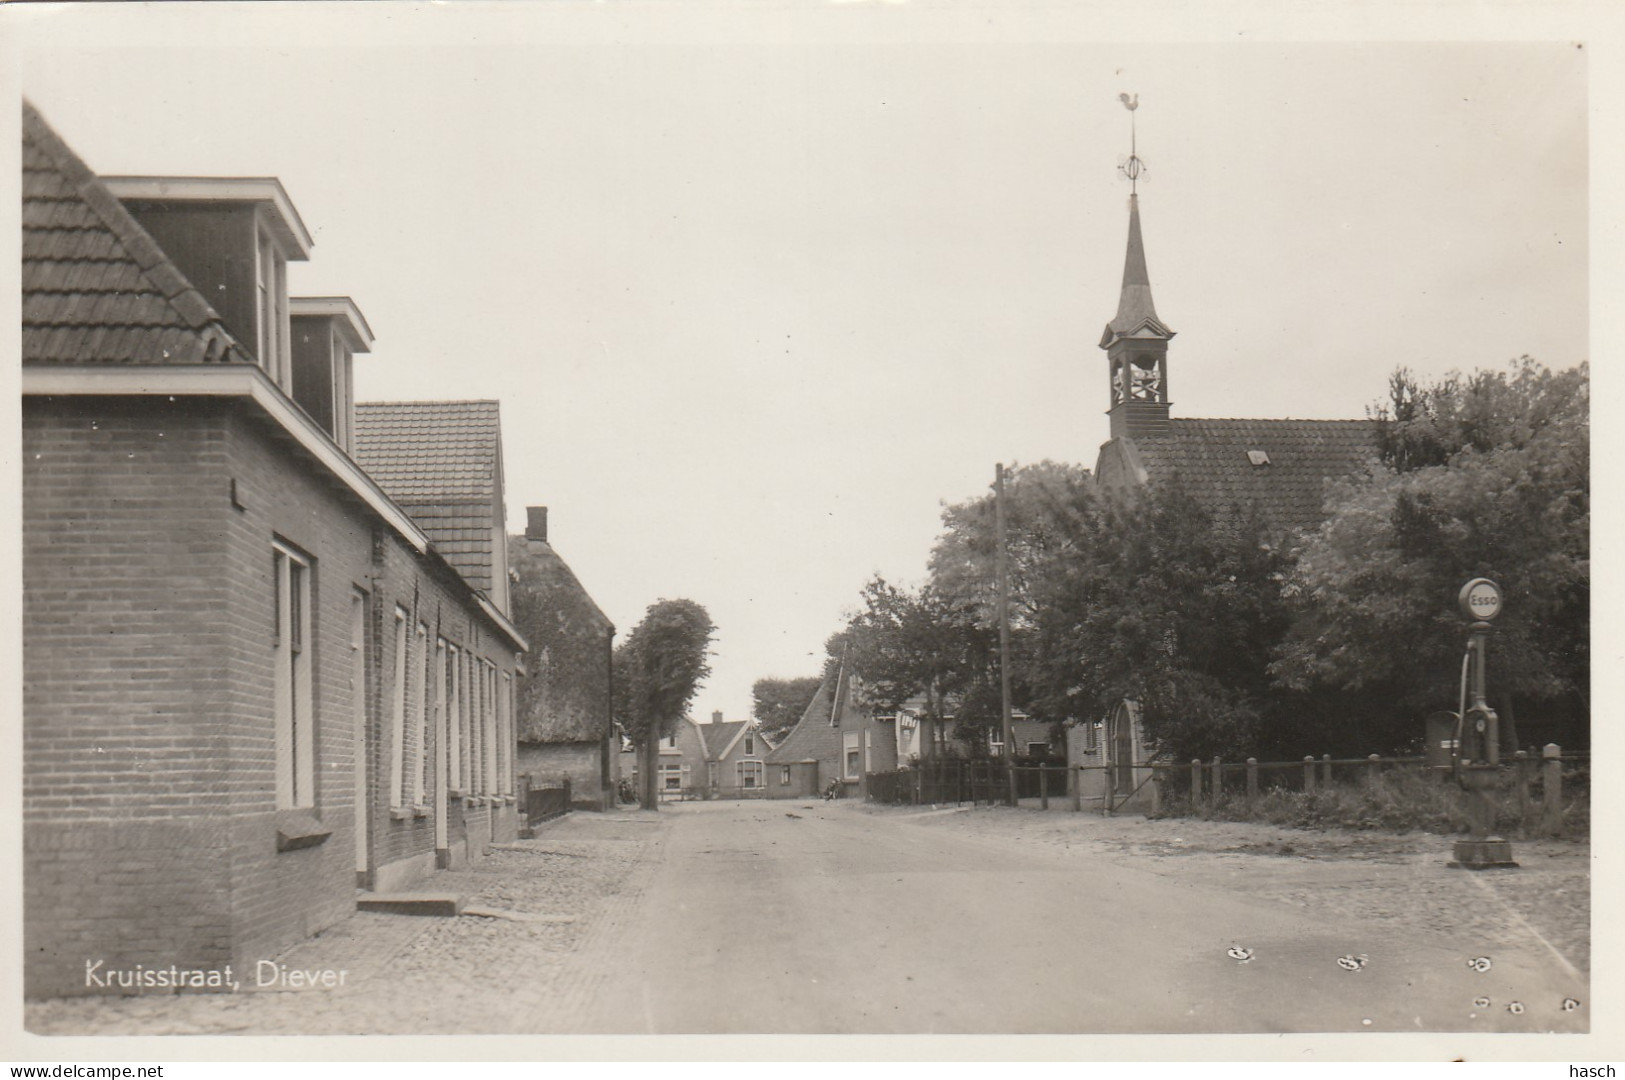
pixel 1136 341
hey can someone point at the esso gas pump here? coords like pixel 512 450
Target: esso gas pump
pixel 1476 756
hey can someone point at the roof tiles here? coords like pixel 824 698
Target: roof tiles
pixel 96 288
pixel 1211 459
pixel 440 461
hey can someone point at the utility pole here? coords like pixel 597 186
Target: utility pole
pixel 1004 628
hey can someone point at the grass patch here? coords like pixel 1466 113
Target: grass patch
pixel 1392 802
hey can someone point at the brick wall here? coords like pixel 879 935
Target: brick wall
pixel 582 762
pixel 124 780
pixel 150 818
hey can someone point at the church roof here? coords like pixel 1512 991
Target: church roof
pixel 1136 314
pixel 1280 468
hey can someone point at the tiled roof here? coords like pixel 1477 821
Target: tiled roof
pixel 439 460
pixel 1211 459
pixel 96 287
pixel 716 737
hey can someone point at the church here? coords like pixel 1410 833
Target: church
pixel 1273 471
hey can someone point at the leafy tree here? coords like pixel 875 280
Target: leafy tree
pixel 777 704
pixel 1487 476
pixel 657 670
pixel 921 647
pixel 1150 602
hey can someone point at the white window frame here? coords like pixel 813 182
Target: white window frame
pixel 784 775
pixel 271 295
pixel 505 718
pixel 489 714
pixel 397 716
pixel 751 770
pixel 671 771
pixel 295 728
pixel 851 755
pixel 454 722
pixel 750 745
pixel 420 720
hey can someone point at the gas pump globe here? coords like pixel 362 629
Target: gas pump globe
pixel 1477 752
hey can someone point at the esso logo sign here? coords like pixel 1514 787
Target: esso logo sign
pixel 1480 599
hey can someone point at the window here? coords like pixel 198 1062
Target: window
pixel 1091 736
pixel 853 754
pixel 489 713
pixel 505 704
pixel 270 280
pixel 454 721
pixel 750 774
pixel 397 717
pixel 712 773
pixel 750 745
pixel 420 718
pixel 295 730
pixel 671 777
pixel 784 775
pixel 1037 749
pixel 995 743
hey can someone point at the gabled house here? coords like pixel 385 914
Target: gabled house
pixel 565 726
pixel 245 664
pixel 719 760
pixel 1272 472
pixel 837 739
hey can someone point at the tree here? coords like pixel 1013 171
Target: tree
pixel 1486 475
pixel 657 670
pixel 1148 601
pixel 777 704
pixel 921 647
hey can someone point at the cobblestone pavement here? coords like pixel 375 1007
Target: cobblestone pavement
pixel 509 958
pixel 537 948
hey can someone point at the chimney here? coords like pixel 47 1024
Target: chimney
pixel 716 716
pixel 536 523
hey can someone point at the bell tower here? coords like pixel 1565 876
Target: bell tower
pixel 1136 341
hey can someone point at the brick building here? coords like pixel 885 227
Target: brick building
pixel 252 678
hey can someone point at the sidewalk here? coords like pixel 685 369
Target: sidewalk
pixel 501 966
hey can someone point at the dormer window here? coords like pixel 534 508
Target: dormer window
pixel 327 332
pixel 232 239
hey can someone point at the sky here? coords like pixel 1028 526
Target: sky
pixel 761 290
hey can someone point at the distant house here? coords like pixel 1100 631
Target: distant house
pixel 566 730
pixel 250 672
pixel 719 760
pixel 837 739
pixel 1273 472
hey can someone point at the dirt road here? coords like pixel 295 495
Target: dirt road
pixel 814 917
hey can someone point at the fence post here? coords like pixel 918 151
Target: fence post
pixel 1156 790
pixel 1551 818
pixel 1218 781
pixel 1043 787
pixel 1521 778
pixel 1074 777
pixel 1371 763
pixel 1252 782
pixel 1326 770
pixel 1196 783
pixel 1308 774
